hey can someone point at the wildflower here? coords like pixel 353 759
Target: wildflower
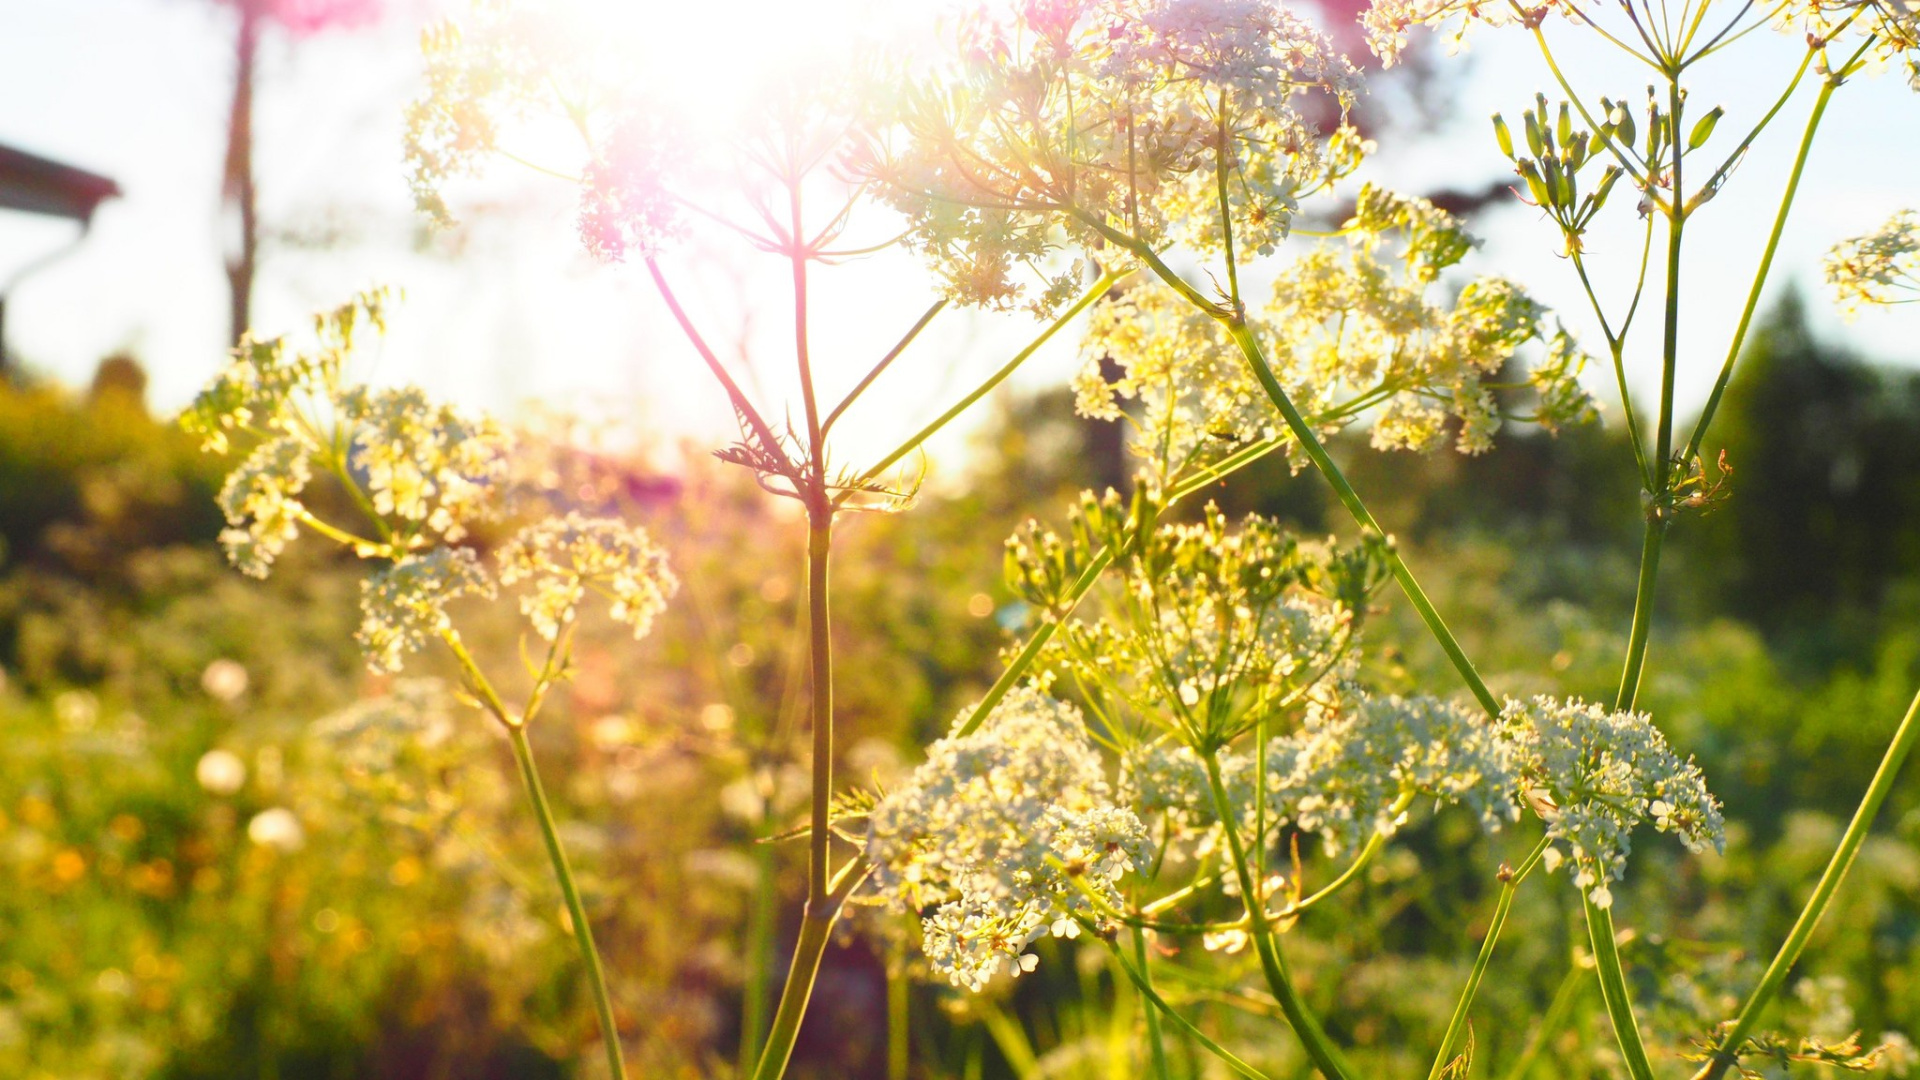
pixel 1003 834
pixel 220 772
pixel 1344 773
pixel 1216 626
pixel 1878 267
pixel 563 558
pixel 261 503
pixel 505 62
pixel 1349 324
pixel 1111 117
pixel 427 465
pixel 224 679
pixel 1892 26
pixel 1168 781
pixel 277 829
pixel 405 604
pixel 625 205
pixel 1595 775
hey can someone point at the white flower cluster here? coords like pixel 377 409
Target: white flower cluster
pixel 1215 627
pixel 1164 780
pixel 1386 22
pixel 426 464
pixel 562 558
pixel 1879 267
pixel 1892 25
pixel 1000 832
pixel 261 502
pixel 429 470
pixel 1596 774
pixel 424 473
pixel 405 605
pixel 1342 774
pixel 506 62
pixel 1109 115
pixel 1351 327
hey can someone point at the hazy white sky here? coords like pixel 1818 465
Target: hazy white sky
pixel 137 89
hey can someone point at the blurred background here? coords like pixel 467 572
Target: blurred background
pixel 231 852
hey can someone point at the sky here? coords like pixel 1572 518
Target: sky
pixel 508 310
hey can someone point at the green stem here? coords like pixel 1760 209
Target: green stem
pixel 543 813
pixel 1099 288
pixel 1457 1025
pixel 759 955
pixel 1637 639
pixel 576 911
pixel 1613 990
pixel 823 907
pixel 1031 650
pixel 1904 738
pixel 1326 1057
pixel 820 641
pixel 1317 453
pixel 1155 1044
pixel 1661 496
pixel 1146 989
pixel 816 929
pixel 1760 275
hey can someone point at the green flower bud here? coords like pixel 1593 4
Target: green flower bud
pixel 1502 135
pixel 1703 128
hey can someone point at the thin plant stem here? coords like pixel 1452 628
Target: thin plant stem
pixel 1550 1022
pixel 1317 453
pixel 885 361
pixel 1642 629
pixel 899 1027
pixel 1658 510
pixel 1904 738
pixel 1613 990
pixel 1156 1046
pixel 759 956
pixel 1010 1037
pixel 576 911
pixel 749 415
pixel 1458 1025
pixel 820 649
pixel 816 929
pixel 1326 1057
pixel 516 726
pixel 1099 288
pixel 1146 989
pixel 1760 275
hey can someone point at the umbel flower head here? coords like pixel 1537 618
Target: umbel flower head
pixel 430 470
pixel 1111 119
pixel 1594 775
pixel 508 61
pixel 1352 327
pixel 1002 836
pixel 1344 774
pixel 561 559
pixel 1216 625
pixel 1882 267
pixel 423 473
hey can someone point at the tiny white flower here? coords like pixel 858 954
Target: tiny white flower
pixel 278 829
pixel 220 772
